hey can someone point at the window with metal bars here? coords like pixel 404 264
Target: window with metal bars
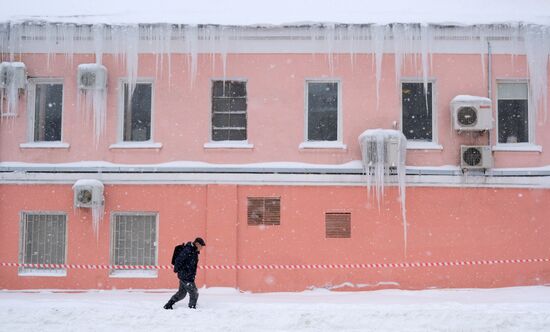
pixel 134 239
pixel 264 211
pixel 338 225
pixel 229 117
pixel 43 241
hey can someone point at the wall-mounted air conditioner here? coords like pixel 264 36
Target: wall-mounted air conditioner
pixel 13 75
pixel 88 193
pixel 471 113
pixel 383 148
pixel 475 157
pixel 92 76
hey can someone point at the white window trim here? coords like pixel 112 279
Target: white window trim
pixel 420 144
pixel 134 273
pixel 34 272
pixel 228 144
pixel 121 143
pixel 31 101
pixel 338 144
pixel 45 145
pixel 529 146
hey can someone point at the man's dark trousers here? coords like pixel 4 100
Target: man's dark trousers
pixel 186 287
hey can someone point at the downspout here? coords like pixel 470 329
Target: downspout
pixel 489 82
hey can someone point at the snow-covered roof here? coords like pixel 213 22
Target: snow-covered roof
pixel 280 12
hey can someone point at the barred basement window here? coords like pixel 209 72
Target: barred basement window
pixel 264 211
pixel 134 243
pixel 43 241
pixel 338 225
pixel 229 111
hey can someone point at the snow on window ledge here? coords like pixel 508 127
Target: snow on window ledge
pixel 418 145
pixel 45 145
pixel 42 273
pixel 228 145
pixel 519 147
pixel 322 145
pixel 136 145
pixel 133 274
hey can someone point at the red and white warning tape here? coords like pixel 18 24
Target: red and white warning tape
pixel 283 266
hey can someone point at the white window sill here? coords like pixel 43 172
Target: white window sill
pixel 412 145
pixel 519 147
pixel 136 145
pixel 42 273
pixel 322 145
pixel 44 145
pixel 228 145
pixel 134 274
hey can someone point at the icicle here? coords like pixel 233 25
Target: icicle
pixel 132 56
pixel 537 49
pixel 98 31
pixel 13 78
pixel 191 41
pixel 383 150
pixel 426 38
pixel 378 36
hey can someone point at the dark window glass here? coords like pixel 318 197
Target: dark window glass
pixel 48 107
pixel 229 105
pixel 513 123
pixel 137 113
pixel 417 111
pixel 322 111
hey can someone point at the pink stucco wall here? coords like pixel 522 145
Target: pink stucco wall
pixel 444 225
pixel 181 115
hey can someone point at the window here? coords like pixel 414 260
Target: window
pixel 229 111
pixel 43 241
pixel 513 113
pixel 264 211
pixel 45 110
pixel 137 113
pixel 417 121
pixel 338 225
pixel 134 241
pixel 322 111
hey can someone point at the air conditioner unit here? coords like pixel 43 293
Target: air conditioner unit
pixel 475 157
pixel 471 113
pixel 88 193
pixel 382 147
pixel 92 76
pixel 13 75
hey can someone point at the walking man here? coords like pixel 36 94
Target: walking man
pixel 185 265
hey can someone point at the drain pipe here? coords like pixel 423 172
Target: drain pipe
pixel 489 82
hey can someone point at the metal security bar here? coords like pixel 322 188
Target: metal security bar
pixel 133 239
pixel 43 241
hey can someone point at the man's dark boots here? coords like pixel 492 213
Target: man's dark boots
pixel 168 305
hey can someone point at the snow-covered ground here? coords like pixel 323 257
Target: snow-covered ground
pixel 222 309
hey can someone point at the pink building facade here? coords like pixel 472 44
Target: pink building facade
pixel 248 137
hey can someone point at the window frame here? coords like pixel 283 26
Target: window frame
pixel 338 143
pixel 132 273
pixel 238 144
pixel 31 110
pixel 530 145
pixel 420 144
pixel 121 143
pixel 42 272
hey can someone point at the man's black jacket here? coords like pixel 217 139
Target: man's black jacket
pixel 186 263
